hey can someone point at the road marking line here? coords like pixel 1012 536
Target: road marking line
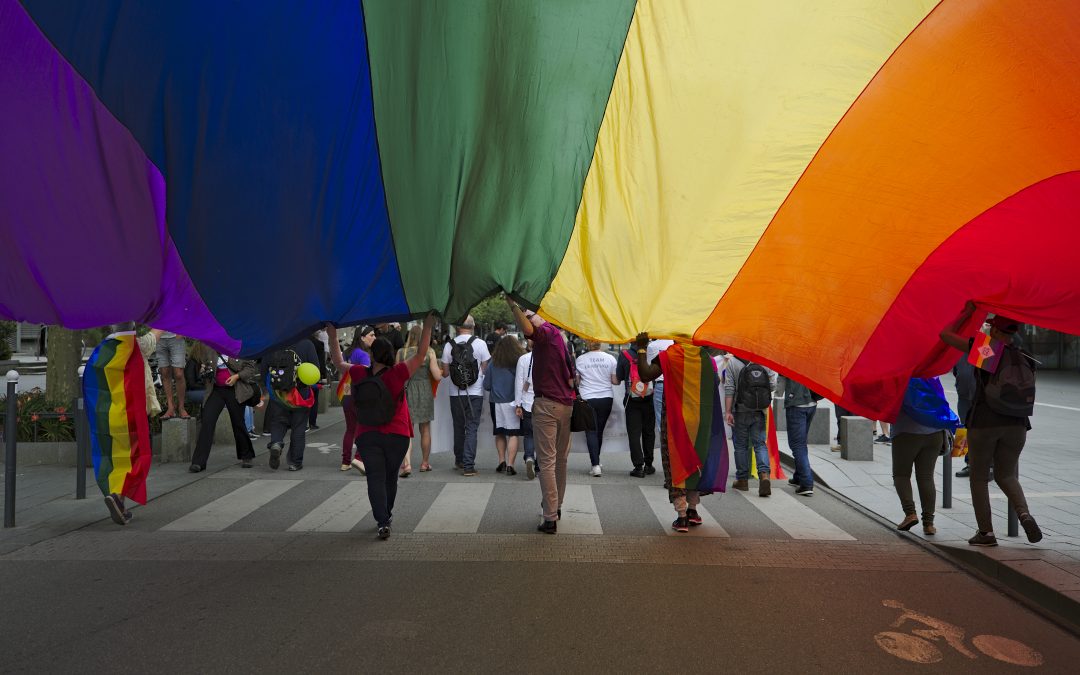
pixel 339 513
pixel 795 518
pixel 459 508
pixel 226 510
pixel 665 513
pixel 579 515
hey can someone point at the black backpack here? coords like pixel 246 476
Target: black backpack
pixel 464 370
pixel 753 391
pixel 1011 390
pixel 282 367
pixel 375 405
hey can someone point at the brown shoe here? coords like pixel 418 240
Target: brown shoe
pixel 928 528
pixel 910 520
pixel 743 485
pixel 764 487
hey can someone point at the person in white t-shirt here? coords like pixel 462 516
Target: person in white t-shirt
pixel 466 394
pixel 596 375
pixel 523 385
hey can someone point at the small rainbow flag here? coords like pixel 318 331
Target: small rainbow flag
pixel 292 398
pixel 114 386
pixel 344 385
pixel 986 353
pixel 697 444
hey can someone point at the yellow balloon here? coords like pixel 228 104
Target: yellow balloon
pixel 308 373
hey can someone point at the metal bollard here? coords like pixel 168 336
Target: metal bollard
pixel 1014 521
pixel 11 425
pixel 82 440
pixel 946 482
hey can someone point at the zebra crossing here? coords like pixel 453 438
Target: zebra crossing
pixel 320 506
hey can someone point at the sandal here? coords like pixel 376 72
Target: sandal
pixel 425 467
pixel 406 473
pixel 167 417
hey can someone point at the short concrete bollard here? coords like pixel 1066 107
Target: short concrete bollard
pixel 334 402
pixel 178 438
pixel 820 432
pixel 856 439
pixel 324 399
pixel 223 430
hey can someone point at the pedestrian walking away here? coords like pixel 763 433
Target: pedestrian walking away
pixel 748 391
pixel 922 432
pixel 420 394
pixel 290 403
pixel 384 427
pixel 800 406
pixel 998 421
pixel 552 407
pixel 499 383
pixel 465 362
pixel 523 387
pixel 358 354
pixel 596 375
pixel 640 414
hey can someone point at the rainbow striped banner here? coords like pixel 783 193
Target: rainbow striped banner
pixel 114 386
pixel 697 443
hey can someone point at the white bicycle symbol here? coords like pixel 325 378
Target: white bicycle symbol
pixel 920 646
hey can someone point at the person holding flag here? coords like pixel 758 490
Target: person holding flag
pixel 120 397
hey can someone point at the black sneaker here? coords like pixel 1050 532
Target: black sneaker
pixel 295 467
pixel 501 467
pixel 638 472
pixel 116 512
pixel 649 470
pixel 468 472
pixel 792 481
pixel 681 524
pixel 1031 528
pixel 384 532
pixel 247 462
pixel 548 527
pixel 964 473
pixel 983 539
pixel 693 517
pixel 804 491
pixel 313 427
pixel 458 466
pixel 511 471
pixel 275 455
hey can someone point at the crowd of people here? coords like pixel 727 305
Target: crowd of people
pixel 532 384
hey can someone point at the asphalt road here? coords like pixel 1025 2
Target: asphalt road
pixel 233 574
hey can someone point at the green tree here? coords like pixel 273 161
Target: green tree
pixel 65 356
pixel 491 311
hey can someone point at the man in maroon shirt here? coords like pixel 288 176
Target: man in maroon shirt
pixel 553 387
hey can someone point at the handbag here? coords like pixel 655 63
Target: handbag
pixel 582 417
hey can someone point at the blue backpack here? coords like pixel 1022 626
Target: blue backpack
pixel 924 402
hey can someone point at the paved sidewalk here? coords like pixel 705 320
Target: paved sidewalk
pixel 1047 572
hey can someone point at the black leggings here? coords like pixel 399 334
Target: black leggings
pixel 920 451
pixel 219 398
pixel 382 455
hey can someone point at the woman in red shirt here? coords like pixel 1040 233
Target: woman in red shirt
pixel 383 448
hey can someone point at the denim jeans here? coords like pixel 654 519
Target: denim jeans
pixel 595 439
pixel 466 411
pixel 798 425
pixel 749 429
pixel 527 435
pixel 658 400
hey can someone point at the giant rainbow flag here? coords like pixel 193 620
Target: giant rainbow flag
pixel 818 185
pixel 114 388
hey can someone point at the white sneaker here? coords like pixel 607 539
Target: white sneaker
pixel 530 468
pixel 346 467
pixel 359 466
pixel 596 471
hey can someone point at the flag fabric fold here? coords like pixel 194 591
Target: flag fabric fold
pixel 697 444
pixel 114 388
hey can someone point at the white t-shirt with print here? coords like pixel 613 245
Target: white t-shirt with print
pixel 653 351
pixel 596 369
pixel 482 355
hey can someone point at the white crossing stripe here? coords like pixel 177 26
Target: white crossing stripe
pixel 226 510
pixel 340 513
pixel 458 508
pixel 795 518
pixel 665 513
pixel 579 514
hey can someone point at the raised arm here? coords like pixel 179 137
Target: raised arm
pixel 646 371
pixel 950 335
pixel 417 359
pixel 335 350
pixel 519 316
pixel 433 366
